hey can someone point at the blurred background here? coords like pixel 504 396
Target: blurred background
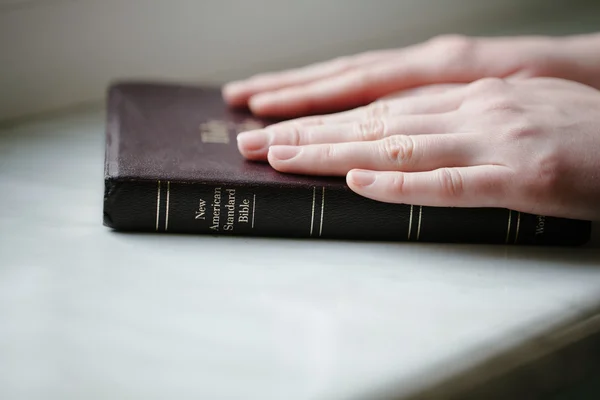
pixel 57 54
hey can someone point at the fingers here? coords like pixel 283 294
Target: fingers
pixel 404 116
pixel 255 145
pixel 438 102
pixel 409 69
pixel 350 89
pixel 238 93
pixel 473 186
pixel 395 153
pixel 352 82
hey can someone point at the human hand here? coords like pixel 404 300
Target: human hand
pixel 528 145
pixel 350 82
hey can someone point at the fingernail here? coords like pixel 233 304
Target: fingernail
pixel 284 153
pixel 362 178
pixel 254 140
pixel 262 100
pixel 232 88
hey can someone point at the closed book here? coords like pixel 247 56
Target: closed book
pixel 172 165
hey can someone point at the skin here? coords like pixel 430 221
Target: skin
pixel 467 122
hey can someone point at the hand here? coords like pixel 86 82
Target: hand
pixel 528 145
pixel 350 82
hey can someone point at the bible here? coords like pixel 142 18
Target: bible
pixel 172 166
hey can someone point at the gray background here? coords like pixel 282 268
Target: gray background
pixel 60 53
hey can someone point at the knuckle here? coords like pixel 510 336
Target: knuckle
pixel 377 109
pixel 456 49
pixel 549 174
pixel 377 127
pixel 519 130
pixel 398 149
pixel 370 129
pixel 295 134
pixel 360 130
pixel 397 186
pixel 451 182
pixel 329 151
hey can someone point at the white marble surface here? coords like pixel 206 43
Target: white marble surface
pixel 89 313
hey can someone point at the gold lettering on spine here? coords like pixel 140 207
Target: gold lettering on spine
pixel 312 217
pixel 518 226
pixel 167 212
pixel 419 227
pixel 214 131
pixel 322 211
pixel 253 210
pixel 157 205
pixel 509 223
pixel 410 221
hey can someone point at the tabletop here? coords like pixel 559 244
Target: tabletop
pixel 86 312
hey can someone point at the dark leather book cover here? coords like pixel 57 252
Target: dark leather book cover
pixel 172 165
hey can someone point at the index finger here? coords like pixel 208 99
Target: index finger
pixel 356 87
pixel 239 92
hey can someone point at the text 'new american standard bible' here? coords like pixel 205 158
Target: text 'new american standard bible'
pixel 172 165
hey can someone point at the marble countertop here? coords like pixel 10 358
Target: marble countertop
pixel 89 313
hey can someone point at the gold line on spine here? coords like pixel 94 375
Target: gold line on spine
pixel 167 212
pixel 312 217
pixel 410 221
pixel 518 225
pixel 253 209
pixel 419 227
pixel 509 223
pixel 158 205
pixel 322 211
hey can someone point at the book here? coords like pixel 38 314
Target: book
pixel 172 166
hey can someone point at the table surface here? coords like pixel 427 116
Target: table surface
pixel 90 313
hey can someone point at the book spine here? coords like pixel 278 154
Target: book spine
pixel 320 212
